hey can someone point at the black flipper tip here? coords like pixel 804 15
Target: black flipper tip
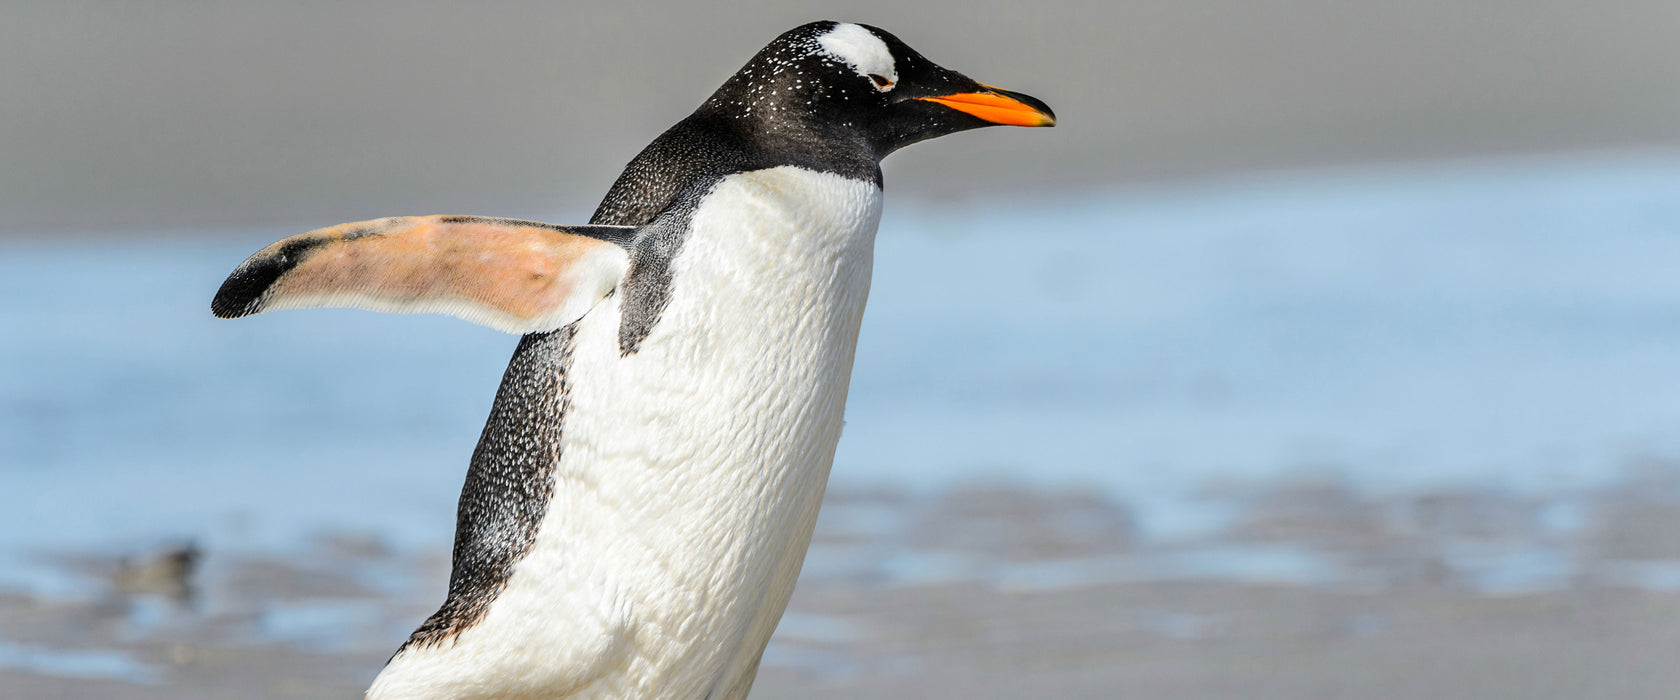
pixel 242 292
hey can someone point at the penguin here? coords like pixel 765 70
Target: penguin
pixel 642 496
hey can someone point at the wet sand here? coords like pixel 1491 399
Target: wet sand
pixel 1310 589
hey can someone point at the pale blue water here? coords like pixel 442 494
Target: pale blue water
pixel 1509 325
pixel 78 663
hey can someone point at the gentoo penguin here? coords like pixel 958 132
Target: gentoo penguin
pixel 641 499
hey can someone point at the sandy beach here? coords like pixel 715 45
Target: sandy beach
pixel 144 116
pixel 998 591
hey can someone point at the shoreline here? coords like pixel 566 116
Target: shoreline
pixel 1518 162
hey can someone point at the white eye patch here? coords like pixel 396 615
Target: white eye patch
pixel 864 52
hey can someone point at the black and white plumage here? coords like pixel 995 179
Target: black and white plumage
pixel 643 494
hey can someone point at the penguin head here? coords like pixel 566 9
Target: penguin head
pixel 854 82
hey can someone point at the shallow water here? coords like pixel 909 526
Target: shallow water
pixel 1507 326
pixel 79 663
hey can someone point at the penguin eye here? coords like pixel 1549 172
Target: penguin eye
pixel 881 81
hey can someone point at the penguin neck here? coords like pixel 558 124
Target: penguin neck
pixel 773 138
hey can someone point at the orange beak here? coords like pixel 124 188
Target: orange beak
pixel 999 106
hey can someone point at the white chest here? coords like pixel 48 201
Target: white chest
pixel 691 471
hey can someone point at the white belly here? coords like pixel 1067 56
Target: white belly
pixel 691 471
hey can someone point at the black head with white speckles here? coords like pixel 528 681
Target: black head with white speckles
pixel 829 97
pixel 830 83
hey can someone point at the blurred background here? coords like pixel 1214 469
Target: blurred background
pixel 1338 349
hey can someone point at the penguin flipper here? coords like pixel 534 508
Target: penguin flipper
pixel 511 275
